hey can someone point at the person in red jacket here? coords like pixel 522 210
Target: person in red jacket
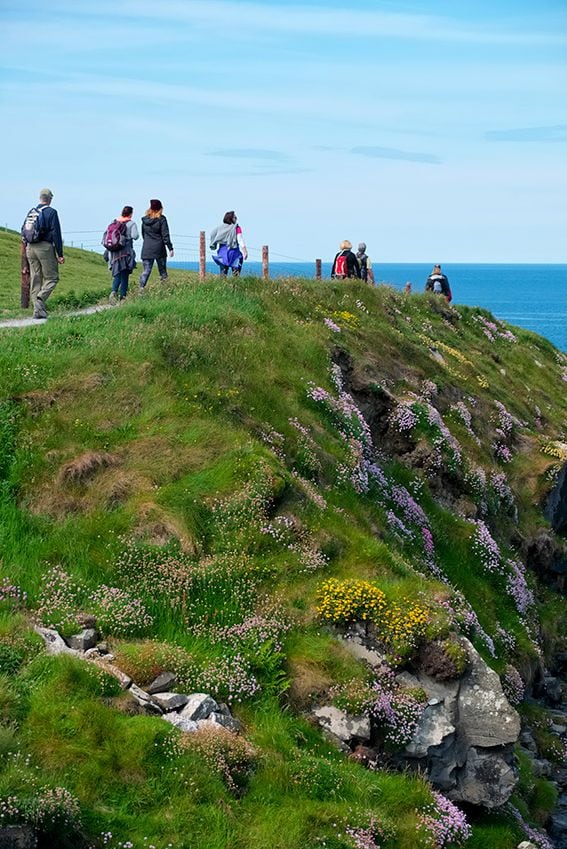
pixel 345 263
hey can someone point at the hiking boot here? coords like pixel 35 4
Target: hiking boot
pixel 112 299
pixel 39 309
pixel 164 279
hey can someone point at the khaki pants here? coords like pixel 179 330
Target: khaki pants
pixel 44 272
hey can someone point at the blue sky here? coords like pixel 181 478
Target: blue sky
pixel 434 131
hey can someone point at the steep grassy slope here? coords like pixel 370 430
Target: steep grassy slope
pixel 201 451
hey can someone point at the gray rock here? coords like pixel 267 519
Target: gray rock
pixel 181 722
pixel 558 822
pixel 18 837
pixel 229 722
pixel 199 706
pixel 528 742
pixel 54 642
pixel 527 844
pixel 464 740
pixel 124 680
pixel 345 727
pixel 145 700
pixel 163 683
pixel 541 768
pixel 355 646
pixel 170 701
pixel 434 728
pixel 84 640
pixel 102 647
pixel 486 718
pixel 556 503
pixel 224 709
pixel 487 779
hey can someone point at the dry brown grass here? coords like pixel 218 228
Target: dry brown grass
pixel 86 466
pixel 155 526
pixel 308 683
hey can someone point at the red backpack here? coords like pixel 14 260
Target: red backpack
pixel 341 268
pixel 114 236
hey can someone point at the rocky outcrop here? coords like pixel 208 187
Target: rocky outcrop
pixel 465 738
pixel 556 503
pixel 188 713
pixel 466 735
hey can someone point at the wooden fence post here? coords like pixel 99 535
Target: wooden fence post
pixel 25 278
pixel 202 255
pixel 317 269
pixel 265 262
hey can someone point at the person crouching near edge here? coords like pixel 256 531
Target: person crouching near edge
pixel 122 262
pixel 228 241
pixel 41 234
pixel 438 283
pixel 366 272
pixel 345 263
pixel 156 242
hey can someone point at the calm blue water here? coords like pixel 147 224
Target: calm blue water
pixel 531 296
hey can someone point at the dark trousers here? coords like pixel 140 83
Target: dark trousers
pixel 148 265
pixel 120 283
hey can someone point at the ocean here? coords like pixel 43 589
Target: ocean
pixel 530 296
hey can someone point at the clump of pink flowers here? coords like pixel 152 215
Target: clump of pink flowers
pixel 396 710
pixel 443 823
pixel 512 684
pixel 331 325
pixel 486 547
pixel 517 586
pixel 12 593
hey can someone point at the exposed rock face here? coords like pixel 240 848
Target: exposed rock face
pixel 18 837
pixel 466 735
pixel 162 683
pixel 341 727
pixel 84 640
pixel 556 503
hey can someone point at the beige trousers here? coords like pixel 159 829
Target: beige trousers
pixel 44 270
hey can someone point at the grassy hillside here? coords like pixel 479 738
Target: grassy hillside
pixel 84 278
pixel 200 451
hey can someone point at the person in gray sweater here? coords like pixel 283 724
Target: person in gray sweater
pixel 228 241
pixel 156 242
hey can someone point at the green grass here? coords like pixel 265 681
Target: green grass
pixel 184 394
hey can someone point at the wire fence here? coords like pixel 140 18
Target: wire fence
pixel 187 247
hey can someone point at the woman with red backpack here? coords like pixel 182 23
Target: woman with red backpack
pixel 345 263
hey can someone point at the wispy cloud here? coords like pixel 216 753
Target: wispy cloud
pixel 556 133
pixel 259 153
pixel 396 153
pixel 250 18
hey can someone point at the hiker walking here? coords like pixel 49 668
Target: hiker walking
pixel 118 241
pixel 438 283
pixel 345 263
pixel 366 272
pixel 228 241
pixel 156 242
pixel 41 233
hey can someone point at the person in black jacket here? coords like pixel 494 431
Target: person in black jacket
pixel 156 242
pixel 345 263
pixel 438 283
